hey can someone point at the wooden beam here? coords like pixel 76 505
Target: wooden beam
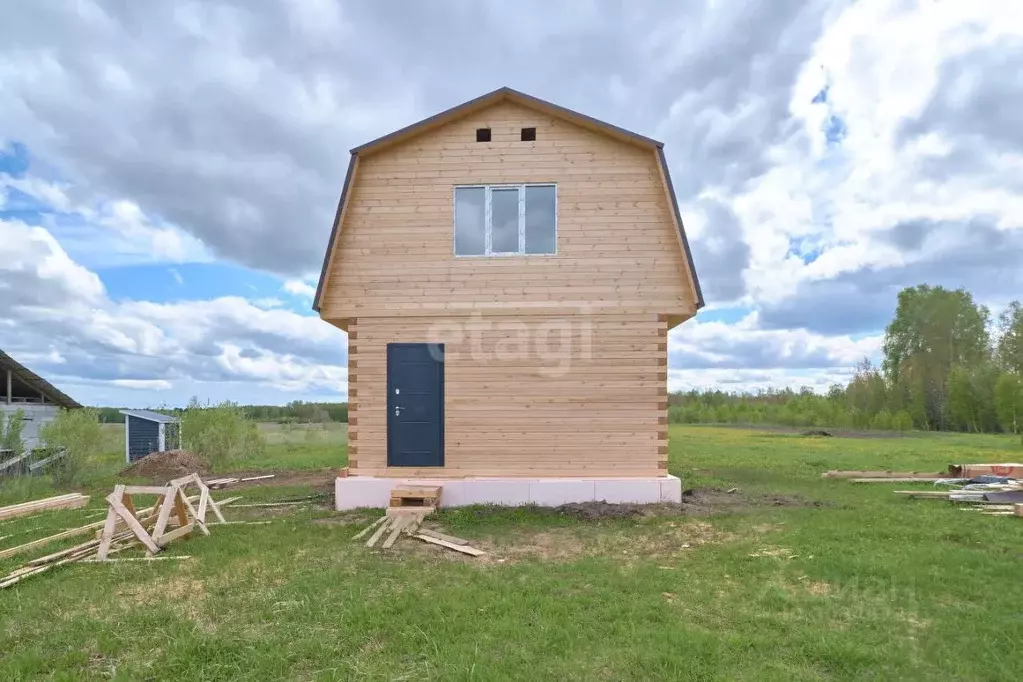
pixel 52 538
pixel 443 536
pixel 370 527
pixel 464 549
pixel 883 474
pixel 380 531
pixel 175 534
pixel 396 528
pixel 132 522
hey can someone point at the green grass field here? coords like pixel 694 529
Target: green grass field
pixel 790 577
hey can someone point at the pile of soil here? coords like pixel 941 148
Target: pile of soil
pixel 164 466
pixel 817 433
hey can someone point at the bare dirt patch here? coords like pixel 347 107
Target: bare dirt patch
pixel 561 545
pixel 164 466
pixel 837 433
pixel 599 511
pixel 711 501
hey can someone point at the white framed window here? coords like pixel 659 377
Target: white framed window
pixel 506 220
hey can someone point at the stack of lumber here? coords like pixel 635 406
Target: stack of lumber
pixel 69 501
pixel 126 527
pixel 996 488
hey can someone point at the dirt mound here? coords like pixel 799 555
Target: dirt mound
pixel 164 466
pixel 817 433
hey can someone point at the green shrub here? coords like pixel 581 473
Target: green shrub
pixel 219 433
pixel 10 433
pixel 76 431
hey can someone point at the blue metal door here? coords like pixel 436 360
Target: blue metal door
pixel 415 404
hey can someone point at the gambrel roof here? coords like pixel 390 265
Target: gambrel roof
pixel 489 99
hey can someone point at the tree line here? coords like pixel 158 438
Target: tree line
pixel 947 366
pixel 297 411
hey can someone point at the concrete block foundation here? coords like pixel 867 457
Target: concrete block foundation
pixel 354 492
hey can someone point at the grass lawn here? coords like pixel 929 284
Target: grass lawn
pixel 789 578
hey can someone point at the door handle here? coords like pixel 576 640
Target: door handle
pixel 397 410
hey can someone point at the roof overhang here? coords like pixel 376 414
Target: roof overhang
pixel 30 378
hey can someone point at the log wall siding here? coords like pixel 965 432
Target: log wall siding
pixel 573 395
pixel 617 244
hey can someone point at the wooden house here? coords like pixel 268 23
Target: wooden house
pixel 507 272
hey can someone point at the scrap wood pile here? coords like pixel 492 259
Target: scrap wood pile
pixel 172 516
pixel 995 489
pixel 29 462
pixel 408 507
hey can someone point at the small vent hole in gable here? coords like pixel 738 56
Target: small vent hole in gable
pixel 528 134
pixel 483 134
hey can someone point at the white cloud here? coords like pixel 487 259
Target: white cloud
pixel 239 151
pixel 141 345
pixel 299 288
pixel 143 384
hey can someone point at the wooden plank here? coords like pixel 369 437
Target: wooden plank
pixel 396 529
pixel 107 536
pixel 464 549
pixel 179 507
pixel 908 479
pixel 133 524
pixel 145 489
pixel 180 532
pixel 69 501
pixel 443 536
pixel 257 478
pixel 36 466
pixel 882 474
pixel 15 460
pixel 165 511
pixel 204 500
pixel 189 509
pixel 144 559
pixel 368 528
pixel 379 532
pixel 52 538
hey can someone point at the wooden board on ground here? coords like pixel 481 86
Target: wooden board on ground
pixel 883 474
pixel 895 479
pixel 443 536
pixel 464 549
pixel 379 532
pixel 396 529
pixel 371 526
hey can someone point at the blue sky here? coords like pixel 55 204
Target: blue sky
pixel 168 175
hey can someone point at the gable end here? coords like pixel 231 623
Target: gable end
pixel 467 108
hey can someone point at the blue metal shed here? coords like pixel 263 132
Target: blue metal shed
pixel 146 432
